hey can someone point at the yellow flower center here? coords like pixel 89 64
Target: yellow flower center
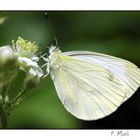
pixel 24 47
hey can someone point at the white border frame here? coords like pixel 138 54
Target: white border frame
pixel 70 5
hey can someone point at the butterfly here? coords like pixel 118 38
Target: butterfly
pixel 91 85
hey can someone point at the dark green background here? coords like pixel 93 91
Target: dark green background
pixel 114 33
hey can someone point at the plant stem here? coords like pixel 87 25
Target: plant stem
pixel 17 97
pixel 3 116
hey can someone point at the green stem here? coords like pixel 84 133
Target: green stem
pixel 6 97
pixel 3 117
pixel 17 97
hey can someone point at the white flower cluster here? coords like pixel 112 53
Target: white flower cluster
pixel 19 58
pixel 21 55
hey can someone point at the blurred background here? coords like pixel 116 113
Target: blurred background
pixel 113 33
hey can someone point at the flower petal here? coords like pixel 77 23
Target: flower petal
pixel 31 66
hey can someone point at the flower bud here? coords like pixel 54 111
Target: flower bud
pixel 8 64
pixel 31 81
pixel 8 59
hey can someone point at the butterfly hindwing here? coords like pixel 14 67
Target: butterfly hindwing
pixel 87 90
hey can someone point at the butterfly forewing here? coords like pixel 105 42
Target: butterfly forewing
pixel 126 71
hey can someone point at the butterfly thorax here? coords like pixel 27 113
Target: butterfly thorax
pixel 54 58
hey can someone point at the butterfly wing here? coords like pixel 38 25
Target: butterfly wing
pixel 87 90
pixel 126 71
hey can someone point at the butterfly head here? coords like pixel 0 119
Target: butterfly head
pixel 54 51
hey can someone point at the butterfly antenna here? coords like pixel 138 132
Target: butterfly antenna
pixel 46 15
pixel 55 42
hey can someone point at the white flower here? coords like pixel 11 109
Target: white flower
pixel 27 59
pixel 30 65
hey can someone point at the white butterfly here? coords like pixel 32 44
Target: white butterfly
pixel 91 85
